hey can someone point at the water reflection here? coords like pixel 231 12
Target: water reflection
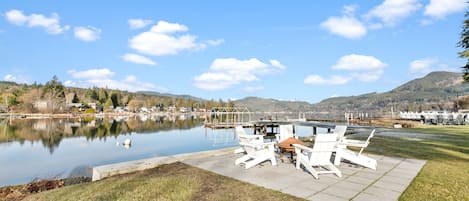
pixel 46 148
pixel 50 132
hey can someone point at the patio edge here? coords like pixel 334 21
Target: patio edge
pixel 104 171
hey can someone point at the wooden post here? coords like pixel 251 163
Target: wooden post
pixel 315 130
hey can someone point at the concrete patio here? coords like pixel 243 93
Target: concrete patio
pixel 357 183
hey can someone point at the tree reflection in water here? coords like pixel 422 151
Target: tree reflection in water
pixel 50 132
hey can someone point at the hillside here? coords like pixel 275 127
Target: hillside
pixel 53 97
pixel 272 105
pixel 437 90
pixel 184 96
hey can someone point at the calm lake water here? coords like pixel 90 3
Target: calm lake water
pixel 46 148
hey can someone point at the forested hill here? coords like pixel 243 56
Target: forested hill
pixel 53 97
pixel 437 90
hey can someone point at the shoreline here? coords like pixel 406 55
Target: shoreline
pixel 82 115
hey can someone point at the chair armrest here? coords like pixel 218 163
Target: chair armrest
pixel 249 136
pixel 353 143
pixel 258 145
pixel 300 147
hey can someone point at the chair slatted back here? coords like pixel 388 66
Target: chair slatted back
pixel 323 147
pixel 240 130
pixel 340 130
pixel 367 141
pixel 253 144
pixel 286 131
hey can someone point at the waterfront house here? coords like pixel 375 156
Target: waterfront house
pixel 42 105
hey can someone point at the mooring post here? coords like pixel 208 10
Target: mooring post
pixel 328 130
pixel 315 130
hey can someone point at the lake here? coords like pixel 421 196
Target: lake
pixel 58 148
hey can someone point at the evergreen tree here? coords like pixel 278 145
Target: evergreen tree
pixel 115 99
pixel 102 96
pixel 108 105
pixel 92 94
pixel 464 43
pixel 54 88
pixel 54 91
pixel 75 98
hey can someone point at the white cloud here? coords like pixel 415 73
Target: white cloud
pixel 130 78
pixel 361 67
pixel 350 10
pixel 226 72
pixel 166 27
pixel 162 40
pixel 442 8
pixel 138 23
pixel 16 78
pixel 215 42
pixel 138 59
pixel 347 25
pixel 391 12
pixel 87 33
pixel 277 64
pixel 9 78
pixel 367 76
pixel 16 17
pixel 102 73
pixel 424 66
pixel 158 44
pixel 103 78
pixel 51 24
pixel 252 89
pixel 359 62
pixel 333 80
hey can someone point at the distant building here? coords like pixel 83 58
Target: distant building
pixel 119 109
pixel 40 125
pixel 92 105
pixel 184 110
pixel 144 110
pixel 42 105
pixel 172 108
pixel 69 101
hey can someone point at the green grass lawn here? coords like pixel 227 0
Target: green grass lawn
pixel 175 181
pixel 446 173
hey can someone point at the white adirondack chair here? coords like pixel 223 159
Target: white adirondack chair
pixel 256 152
pixel 318 156
pixel 340 130
pixel 352 156
pixel 286 131
pixel 239 130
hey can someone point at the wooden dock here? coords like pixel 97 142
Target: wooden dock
pixel 226 125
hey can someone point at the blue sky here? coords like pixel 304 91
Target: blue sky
pixel 301 50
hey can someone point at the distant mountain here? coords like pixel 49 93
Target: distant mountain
pixel 437 90
pixel 272 105
pixel 434 81
pixel 154 93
